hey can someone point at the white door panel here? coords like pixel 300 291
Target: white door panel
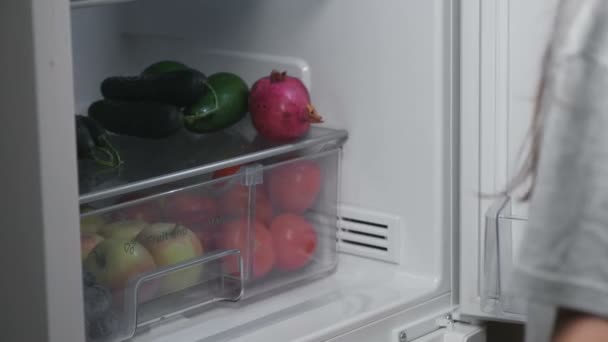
pixel 40 249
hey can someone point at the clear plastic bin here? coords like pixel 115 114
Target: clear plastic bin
pixel 241 232
pixel 503 232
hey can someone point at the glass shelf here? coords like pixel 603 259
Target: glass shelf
pixel 75 4
pixel 152 163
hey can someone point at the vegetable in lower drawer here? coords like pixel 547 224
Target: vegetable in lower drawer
pixel 294 240
pixel 114 261
pixel 101 322
pixel 150 120
pixel 171 244
pixel 295 187
pixel 236 235
pixel 178 87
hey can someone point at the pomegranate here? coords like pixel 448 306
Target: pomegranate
pixel 280 107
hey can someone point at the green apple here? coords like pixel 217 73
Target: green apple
pixel 88 241
pixel 122 230
pixel 91 224
pixel 114 261
pixel 170 244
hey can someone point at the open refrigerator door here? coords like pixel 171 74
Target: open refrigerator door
pixel 503 46
pixel 375 212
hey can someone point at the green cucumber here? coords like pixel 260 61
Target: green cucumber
pixel 84 140
pixel 151 120
pixel 164 66
pixel 179 87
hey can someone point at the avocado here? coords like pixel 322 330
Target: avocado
pixel 224 104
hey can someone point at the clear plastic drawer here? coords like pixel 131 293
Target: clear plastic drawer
pixel 236 233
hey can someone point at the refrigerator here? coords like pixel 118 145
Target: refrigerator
pixel 426 106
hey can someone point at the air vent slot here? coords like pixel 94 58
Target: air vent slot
pixel 369 234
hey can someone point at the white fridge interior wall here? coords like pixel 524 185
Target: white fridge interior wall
pixel 383 72
pixel 97 51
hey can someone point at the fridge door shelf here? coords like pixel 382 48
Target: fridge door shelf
pixel 503 232
pixel 151 163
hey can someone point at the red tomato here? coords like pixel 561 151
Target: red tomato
pixel 206 234
pixel 295 241
pixel 200 213
pixel 190 208
pixel 235 202
pixel 234 236
pixel 148 211
pixel 226 172
pixel 294 187
pixel 229 171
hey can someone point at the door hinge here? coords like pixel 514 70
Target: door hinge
pixel 448 321
pixel 457 330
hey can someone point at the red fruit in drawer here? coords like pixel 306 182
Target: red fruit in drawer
pixel 294 187
pixel 235 203
pixel 225 172
pixel 206 233
pixel 295 241
pixel 235 235
pixel 191 209
pixel 200 213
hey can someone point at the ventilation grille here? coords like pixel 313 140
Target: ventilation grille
pixel 369 234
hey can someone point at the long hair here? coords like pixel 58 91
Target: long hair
pixel 529 169
pixel 528 172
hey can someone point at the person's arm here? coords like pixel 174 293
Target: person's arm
pixel 573 326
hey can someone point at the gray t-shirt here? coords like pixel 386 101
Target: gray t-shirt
pixel 564 258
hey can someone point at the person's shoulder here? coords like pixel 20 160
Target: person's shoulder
pixel 581 29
